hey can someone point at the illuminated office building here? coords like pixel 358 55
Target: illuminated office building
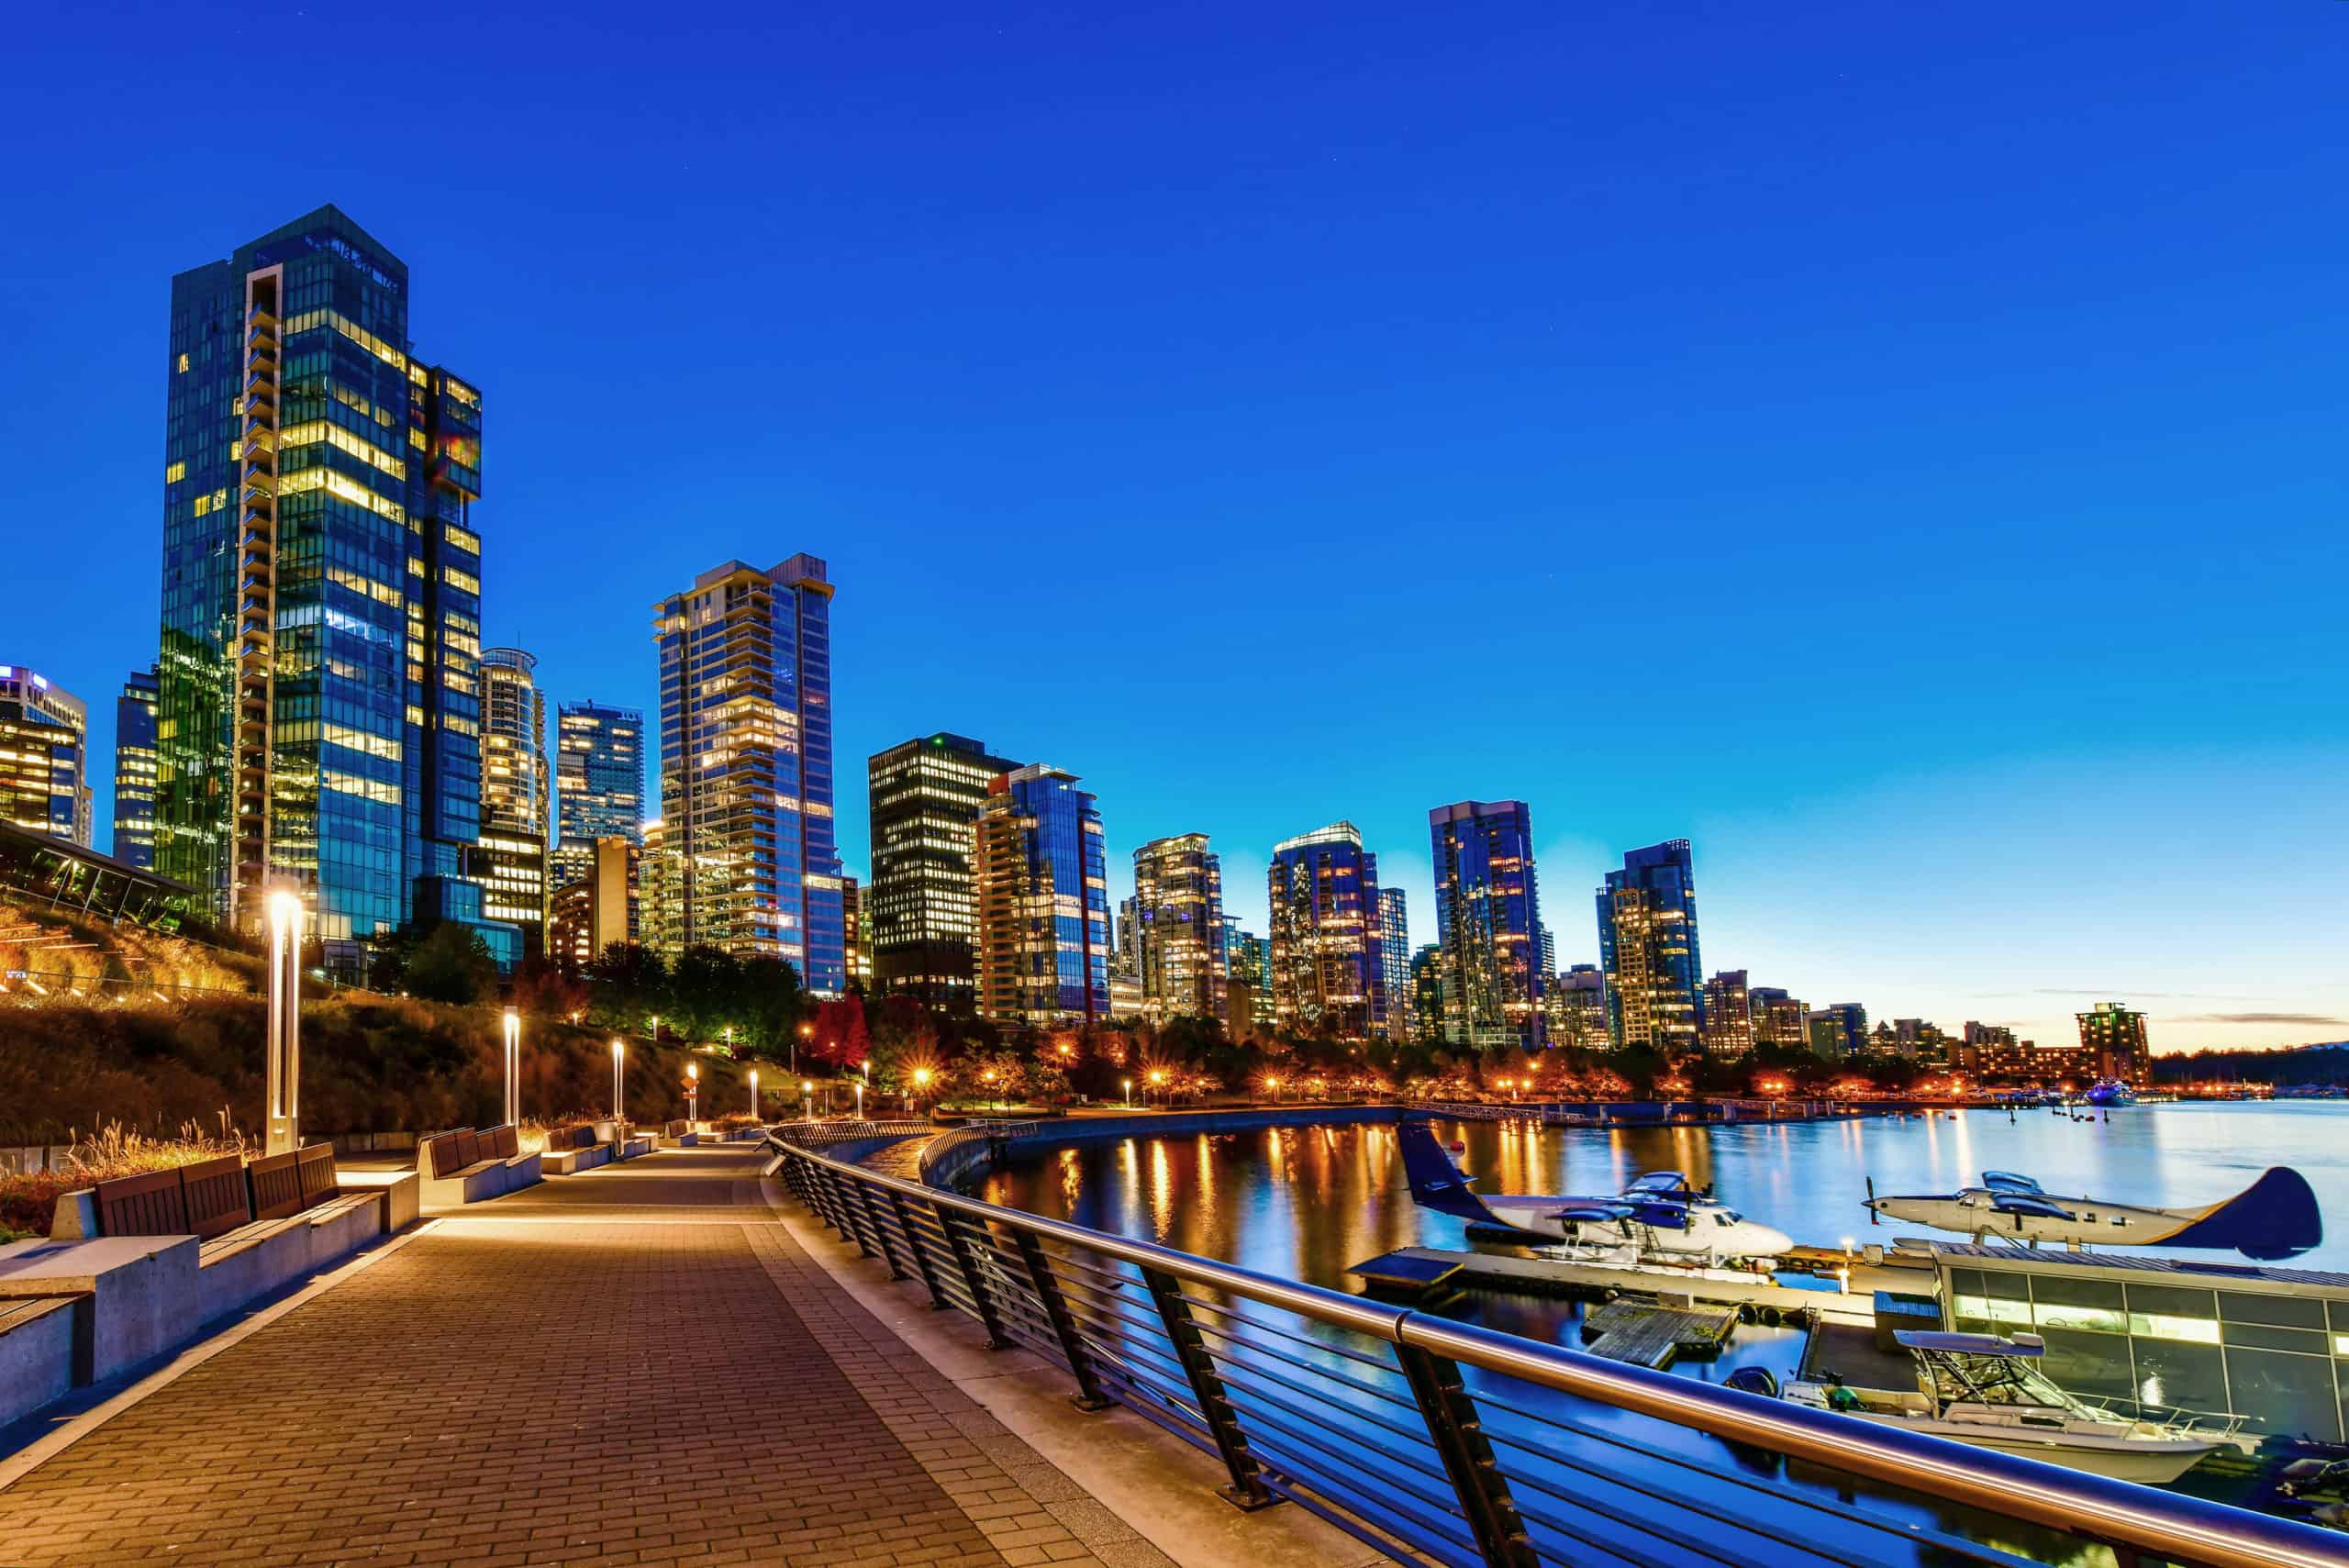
pixel 2116 1037
pixel 856 937
pixel 1248 984
pixel 1647 943
pixel 746 764
pixel 44 757
pixel 1729 1022
pixel 134 771
pixel 1178 928
pixel 920 910
pixel 1576 1005
pixel 1329 970
pixel 1487 924
pixel 1043 900
pixel 317 705
pixel 1777 1018
pixel 596 911
pixel 599 781
pixel 1394 959
pixel 1838 1031
pixel 517 797
pixel 1427 992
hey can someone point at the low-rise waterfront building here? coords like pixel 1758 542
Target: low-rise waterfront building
pixel 1777 1018
pixel 1578 1008
pixel 1838 1033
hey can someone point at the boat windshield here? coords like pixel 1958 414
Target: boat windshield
pixel 2013 1381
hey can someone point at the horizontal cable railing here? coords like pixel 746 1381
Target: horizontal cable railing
pixel 1444 1445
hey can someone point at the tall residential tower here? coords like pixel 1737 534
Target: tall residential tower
pixel 516 802
pixel 1487 924
pixel 1647 943
pixel 1043 900
pixel 921 908
pixel 1329 970
pixel 1178 928
pixel 599 784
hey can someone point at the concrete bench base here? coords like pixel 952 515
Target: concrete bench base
pixel 633 1149
pixel 478 1183
pixel 38 1363
pixel 143 1291
pixel 571 1162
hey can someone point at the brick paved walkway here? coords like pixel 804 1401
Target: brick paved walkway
pixel 633 1366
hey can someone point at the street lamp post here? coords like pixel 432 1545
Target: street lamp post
pixel 806 1032
pixel 619 1066
pixel 284 1046
pixel 513 1067
pixel 1158 1081
pixel 1128 1084
pixel 754 1094
pixel 692 1091
pixel 806 1100
pixel 860 1099
pixel 921 1084
pixel 656 1029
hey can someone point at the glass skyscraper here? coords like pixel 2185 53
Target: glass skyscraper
pixel 1647 943
pixel 599 784
pixel 1329 970
pixel 746 766
pixel 921 907
pixel 1487 924
pixel 1043 887
pixel 318 708
pixel 1394 959
pixel 1178 928
pixel 134 771
pixel 516 799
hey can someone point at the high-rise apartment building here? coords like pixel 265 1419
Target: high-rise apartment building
pixel 592 913
pixel 318 708
pixel 1395 960
pixel 746 764
pixel 1426 986
pixel 2117 1038
pixel 921 911
pixel 1178 928
pixel 599 783
pixel 1647 943
pixel 1044 892
pixel 1578 1008
pixel 1838 1031
pixel 134 771
pixel 1729 1021
pixel 1487 924
pixel 856 937
pixel 44 757
pixel 1329 971
pixel 1777 1018
pixel 517 799
pixel 661 891
pixel 1248 983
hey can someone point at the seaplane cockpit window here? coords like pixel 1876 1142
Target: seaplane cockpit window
pixel 1728 1216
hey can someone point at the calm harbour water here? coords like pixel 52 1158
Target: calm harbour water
pixel 1303 1202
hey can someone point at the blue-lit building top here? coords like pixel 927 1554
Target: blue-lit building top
pixel 317 705
pixel 746 766
pixel 1328 965
pixel 1487 924
pixel 1043 895
pixel 1647 945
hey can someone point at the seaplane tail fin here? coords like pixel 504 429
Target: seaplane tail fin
pixel 2273 1219
pixel 1436 1182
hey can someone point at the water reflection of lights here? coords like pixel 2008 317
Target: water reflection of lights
pixel 1161 1190
pixel 1072 1176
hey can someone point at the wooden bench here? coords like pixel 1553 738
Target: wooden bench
pixel 574 1149
pixel 681 1134
pixel 465 1166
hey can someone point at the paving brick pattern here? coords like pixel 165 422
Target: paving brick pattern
pixel 583 1379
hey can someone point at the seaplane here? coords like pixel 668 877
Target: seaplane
pixel 2275 1217
pixel 1658 1213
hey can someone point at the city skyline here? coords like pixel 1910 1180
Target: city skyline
pixel 1972 802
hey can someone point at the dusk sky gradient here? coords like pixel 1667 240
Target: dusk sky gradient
pixel 1896 447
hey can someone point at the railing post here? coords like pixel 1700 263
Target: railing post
pixel 849 1228
pixel 1247 1490
pixel 937 1302
pixel 967 1261
pixel 1088 1396
pixel 1459 1436
pixel 880 1231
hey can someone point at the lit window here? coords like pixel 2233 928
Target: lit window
pixel 174 473
pixel 182 364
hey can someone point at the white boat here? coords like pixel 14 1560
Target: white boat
pixel 1988 1391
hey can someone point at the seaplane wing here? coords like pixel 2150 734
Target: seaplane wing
pixel 2274 1218
pixel 1659 1222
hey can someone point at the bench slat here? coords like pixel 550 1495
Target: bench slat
pixel 276 1186
pixel 315 1171
pixel 217 1199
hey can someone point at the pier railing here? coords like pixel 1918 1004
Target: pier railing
pixel 1443 1444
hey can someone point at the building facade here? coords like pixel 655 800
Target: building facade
pixel 599 783
pixel 44 757
pixel 1728 1019
pixel 920 909
pixel 1647 943
pixel 1838 1031
pixel 596 911
pixel 661 892
pixel 1178 928
pixel 1578 1008
pixel 1043 900
pixel 1395 960
pixel 134 771
pixel 746 764
pixel 1426 985
pixel 856 937
pixel 1248 984
pixel 2116 1036
pixel 1487 924
pixel 1777 1018
pixel 517 796
pixel 317 705
pixel 1329 970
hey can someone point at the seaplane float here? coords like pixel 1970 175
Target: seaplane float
pixel 2275 1217
pixel 1989 1392
pixel 1660 1214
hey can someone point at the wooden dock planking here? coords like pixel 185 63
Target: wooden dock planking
pixel 1651 1336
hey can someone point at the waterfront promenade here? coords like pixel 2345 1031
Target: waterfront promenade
pixel 638 1365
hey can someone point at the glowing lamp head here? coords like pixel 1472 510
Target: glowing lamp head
pixel 692 1072
pixel 285 909
pixel 807 1086
pixel 1158 1077
pixel 618 1050
pixel 921 1076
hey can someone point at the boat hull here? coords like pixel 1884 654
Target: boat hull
pixel 2153 1461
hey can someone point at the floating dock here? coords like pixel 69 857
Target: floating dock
pixel 1651 1335
pixel 1757 1296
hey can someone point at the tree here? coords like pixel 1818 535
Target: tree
pixel 628 983
pixel 451 964
pixel 841 1038
pixel 770 1005
pixel 705 991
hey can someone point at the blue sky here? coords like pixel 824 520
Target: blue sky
pixel 1898 449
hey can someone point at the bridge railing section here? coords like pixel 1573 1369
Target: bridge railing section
pixel 1443 1444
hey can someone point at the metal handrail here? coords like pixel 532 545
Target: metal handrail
pixel 2133 1518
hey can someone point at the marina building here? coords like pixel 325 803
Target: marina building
pixel 746 766
pixel 1647 943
